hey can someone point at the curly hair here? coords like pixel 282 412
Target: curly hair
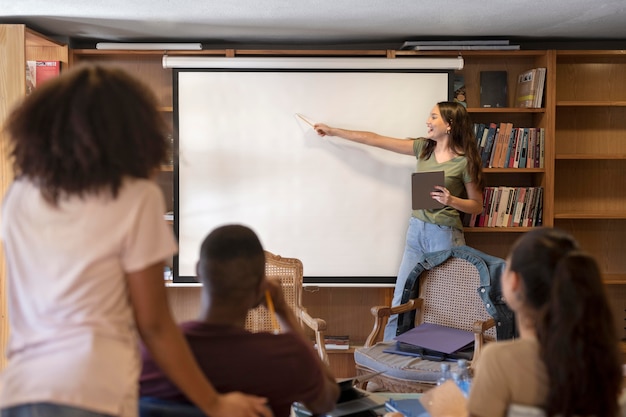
pixel 575 325
pixel 462 139
pixel 86 130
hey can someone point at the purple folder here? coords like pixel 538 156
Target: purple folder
pixel 435 337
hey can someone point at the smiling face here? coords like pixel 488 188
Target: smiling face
pixel 436 127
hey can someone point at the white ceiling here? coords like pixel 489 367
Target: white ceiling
pixel 318 21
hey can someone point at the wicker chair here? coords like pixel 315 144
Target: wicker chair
pixel 448 296
pixel 290 272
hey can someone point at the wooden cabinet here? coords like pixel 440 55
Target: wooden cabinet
pixel 17 45
pixel 590 161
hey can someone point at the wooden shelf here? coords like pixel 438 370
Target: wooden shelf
pixel 615 279
pixel 505 110
pixel 585 103
pixel 514 171
pixel 582 156
pixel 593 215
pixel 496 229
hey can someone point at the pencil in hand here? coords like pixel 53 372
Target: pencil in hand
pixel 270 307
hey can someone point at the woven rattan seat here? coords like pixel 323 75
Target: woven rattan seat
pixel 448 296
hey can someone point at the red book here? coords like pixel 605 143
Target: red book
pixel 43 71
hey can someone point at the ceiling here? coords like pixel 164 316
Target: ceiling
pixel 319 22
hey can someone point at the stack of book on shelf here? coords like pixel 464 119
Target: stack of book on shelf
pixel 459 45
pixel 501 145
pixel 509 207
pixel 336 342
pixel 529 89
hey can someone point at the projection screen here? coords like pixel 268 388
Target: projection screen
pixel 244 156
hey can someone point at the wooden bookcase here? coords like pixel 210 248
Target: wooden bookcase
pixel 18 44
pixel 590 161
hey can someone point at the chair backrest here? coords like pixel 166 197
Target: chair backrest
pixel 450 296
pixel 289 271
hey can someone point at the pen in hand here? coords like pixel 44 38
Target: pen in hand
pixel 270 307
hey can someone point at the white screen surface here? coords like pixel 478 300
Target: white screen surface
pixel 245 157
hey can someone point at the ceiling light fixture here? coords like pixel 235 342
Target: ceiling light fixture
pixel 149 46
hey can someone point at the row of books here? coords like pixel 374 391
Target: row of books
pixel 509 207
pixel 529 91
pixel 336 342
pixel 504 146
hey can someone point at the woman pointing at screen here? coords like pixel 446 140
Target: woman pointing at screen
pixel 449 146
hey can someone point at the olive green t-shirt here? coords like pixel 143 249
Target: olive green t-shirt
pixel 456 176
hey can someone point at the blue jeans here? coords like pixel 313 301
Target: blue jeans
pixel 48 410
pixel 421 237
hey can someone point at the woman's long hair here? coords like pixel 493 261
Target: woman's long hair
pixel 575 327
pixel 462 139
pixel 86 130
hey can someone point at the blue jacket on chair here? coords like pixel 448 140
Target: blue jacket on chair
pixel 489 267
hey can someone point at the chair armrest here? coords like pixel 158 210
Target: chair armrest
pixel 381 312
pixel 479 329
pixel 319 327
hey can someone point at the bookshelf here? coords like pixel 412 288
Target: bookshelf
pixel 18 44
pixel 498 240
pixel 590 161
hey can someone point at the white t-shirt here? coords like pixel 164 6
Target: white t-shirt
pixel 72 334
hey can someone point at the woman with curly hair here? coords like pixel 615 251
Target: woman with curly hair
pixel 85 245
pixel 450 146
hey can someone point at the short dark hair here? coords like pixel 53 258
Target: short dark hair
pixel 85 131
pixel 232 261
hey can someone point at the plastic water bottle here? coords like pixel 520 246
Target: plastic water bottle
pixel 445 373
pixel 462 377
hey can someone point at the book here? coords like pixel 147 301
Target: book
pixel 509 147
pixel 539 96
pixel 501 143
pixel 493 89
pixel 542 141
pixel 523 155
pixel 519 206
pixel 486 152
pixel 528 88
pixel 486 200
pixel 38 72
pixel 459 89
pixel 505 194
pixel 493 207
pixel 336 342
